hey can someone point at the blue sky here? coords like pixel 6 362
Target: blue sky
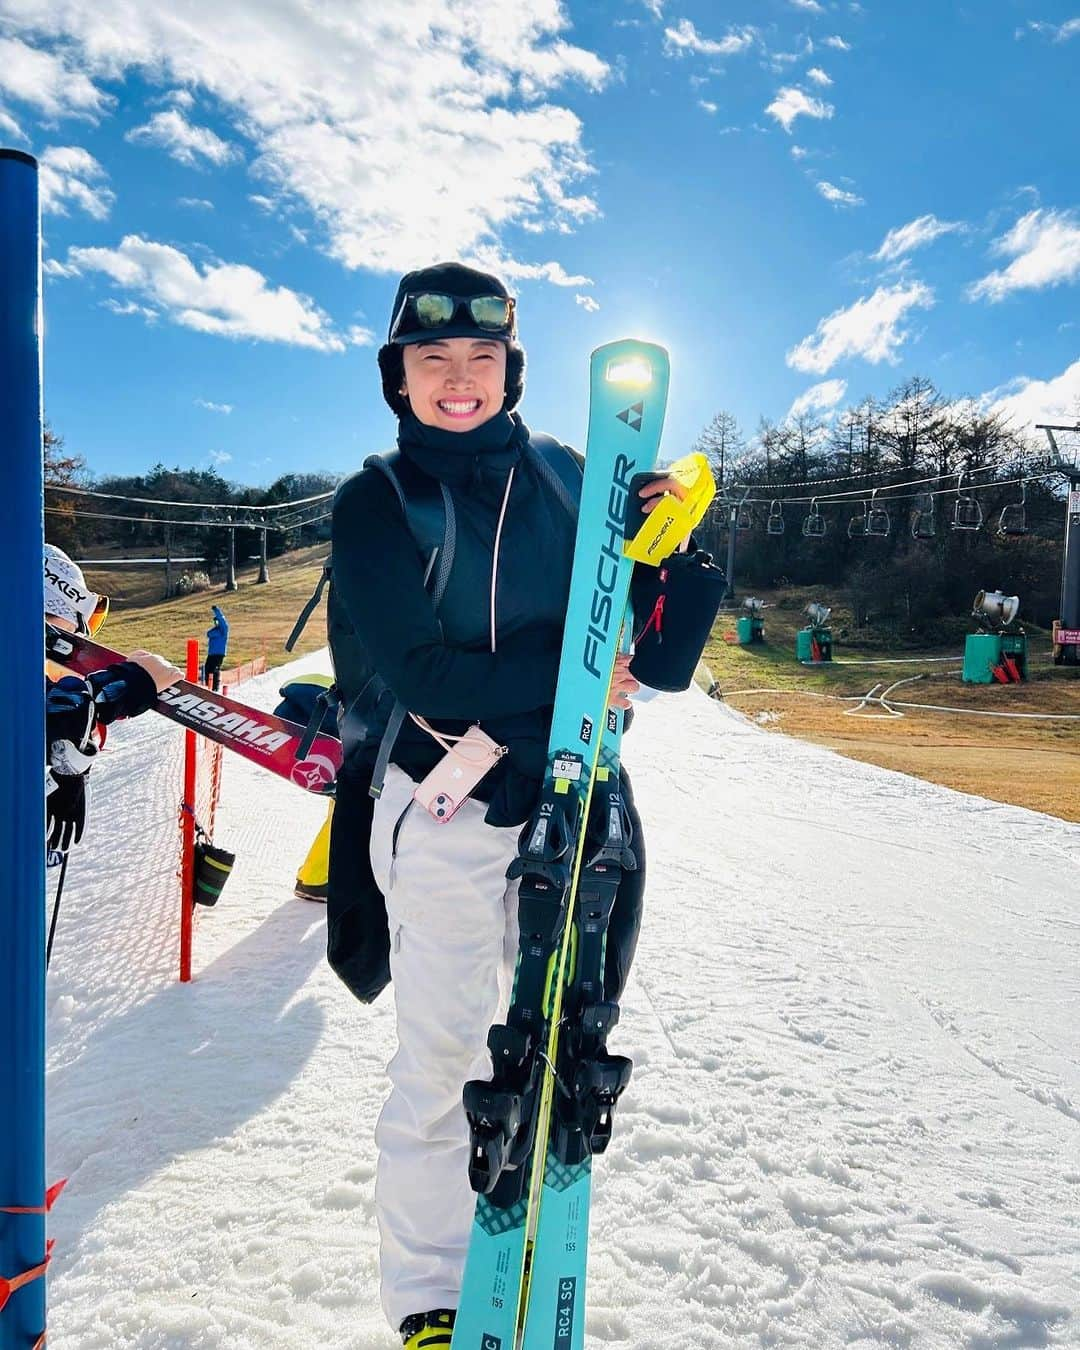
pixel 805 200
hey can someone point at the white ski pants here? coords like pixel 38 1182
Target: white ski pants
pixel 453 941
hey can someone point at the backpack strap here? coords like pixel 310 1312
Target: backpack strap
pixel 306 612
pixel 395 721
pixel 559 468
pixel 428 509
pixel 430 517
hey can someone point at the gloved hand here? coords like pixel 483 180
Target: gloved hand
pixel 65 810
pixel 69 722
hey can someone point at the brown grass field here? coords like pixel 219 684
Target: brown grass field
pixel 1028 763
pixel 1033 764
pixel 260 617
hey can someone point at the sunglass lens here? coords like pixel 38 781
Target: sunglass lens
pixel 100 614
pixel 433 311
pixel 490 311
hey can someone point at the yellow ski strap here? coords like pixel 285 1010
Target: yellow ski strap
pixel 673 518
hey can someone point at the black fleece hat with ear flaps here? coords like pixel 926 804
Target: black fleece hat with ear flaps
pixel 449 278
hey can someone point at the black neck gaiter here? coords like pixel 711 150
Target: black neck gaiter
pixel 461 458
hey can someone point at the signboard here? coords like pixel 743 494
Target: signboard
pixel 1067 635
pixel 1074 502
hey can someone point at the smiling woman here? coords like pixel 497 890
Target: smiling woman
pixel 451 574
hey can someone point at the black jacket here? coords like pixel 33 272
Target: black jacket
pixel 440 663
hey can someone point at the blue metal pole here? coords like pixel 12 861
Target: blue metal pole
pixel 22 783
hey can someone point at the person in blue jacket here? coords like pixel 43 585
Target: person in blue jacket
pixel 217 642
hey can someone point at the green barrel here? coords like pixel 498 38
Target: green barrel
pixel 982 651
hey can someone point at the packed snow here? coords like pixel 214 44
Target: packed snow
pixel 854 1118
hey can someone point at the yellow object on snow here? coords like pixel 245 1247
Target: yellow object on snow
pixel 314 873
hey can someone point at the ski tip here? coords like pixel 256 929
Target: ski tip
pixel 631 364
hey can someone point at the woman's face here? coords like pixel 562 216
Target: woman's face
pixel 455 383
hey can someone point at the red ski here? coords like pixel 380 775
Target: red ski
pixel 269 741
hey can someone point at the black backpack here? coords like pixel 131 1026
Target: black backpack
pixel 369 717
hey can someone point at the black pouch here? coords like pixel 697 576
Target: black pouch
pixel 213 866
pixel 675 606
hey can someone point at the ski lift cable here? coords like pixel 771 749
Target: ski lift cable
pixel 161 520
pixel 277 527
pixel 911 496
pixel 931 492
pixel 995 461
pixel 205 506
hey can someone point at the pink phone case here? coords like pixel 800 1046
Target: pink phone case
pixel 451 782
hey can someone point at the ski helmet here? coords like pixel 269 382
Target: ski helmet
pixel 449 300
pixel 67 595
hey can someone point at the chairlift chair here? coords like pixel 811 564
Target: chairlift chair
pixel 814 525
pixel 744 518
pixel 922 519
pixel 856 528
pixel 878 521
pixel 968 512
pixel 1013 518
pixel 775 522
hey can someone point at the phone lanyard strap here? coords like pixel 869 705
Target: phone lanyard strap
pixel 444 738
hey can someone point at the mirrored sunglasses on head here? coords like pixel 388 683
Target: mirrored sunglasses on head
pixel 427 310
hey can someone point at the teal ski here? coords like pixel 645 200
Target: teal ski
pixel 510 1116
pixel 590 1079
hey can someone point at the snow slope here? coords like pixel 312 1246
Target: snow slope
pixel 854 1120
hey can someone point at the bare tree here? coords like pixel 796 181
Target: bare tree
pixel 721 442
pixel 61 470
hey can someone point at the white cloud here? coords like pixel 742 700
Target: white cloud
pixel 915 234
pixel 195 203
pixel 811 6
pixel 684 37
pixel 655 7
pixel 177 137
pixel 819 398
pixel 218 456
pixel 70 175
pixel 797 152
pixel 1057 32
pixel 126 307
pixel 819 77
pixel 227 299
pixel 587 303
pixel 552 272
pixel 838 196
pixel 360 336
pixel 708 107
pixel 48 82
pixel 792 102
pixel 837 43
pixel 409 131
pixel 225 408
pixel 870 329
pixel 1026 401
pixel 9 127
pixel 1045 249
pixel 52 267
